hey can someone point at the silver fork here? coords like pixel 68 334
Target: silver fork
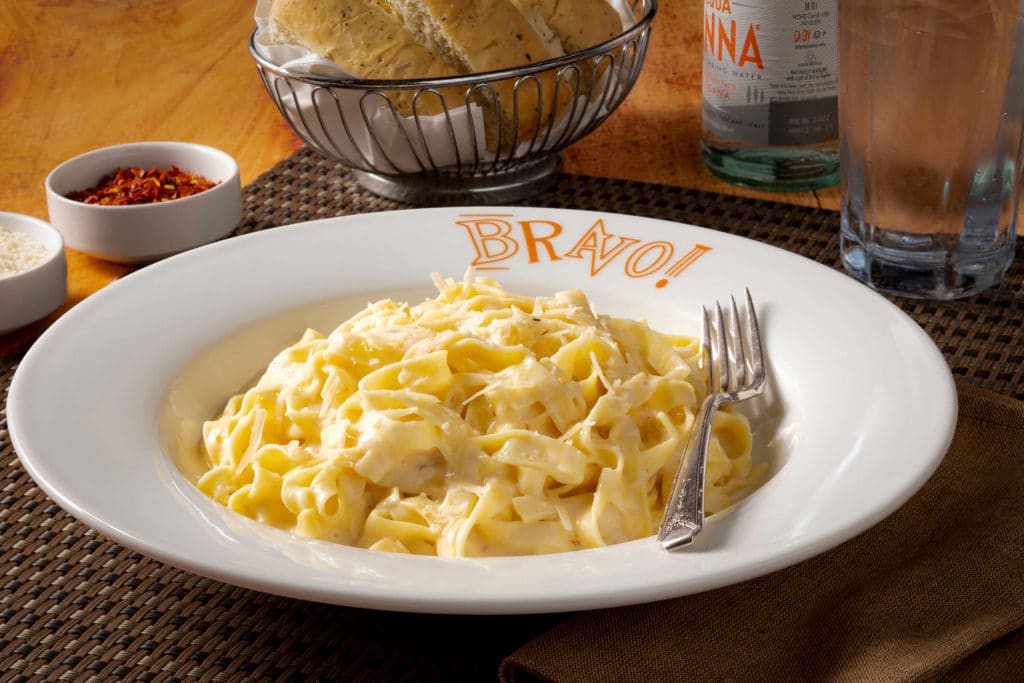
pixel 736 372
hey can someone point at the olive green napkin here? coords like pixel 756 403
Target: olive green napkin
pixel 934 591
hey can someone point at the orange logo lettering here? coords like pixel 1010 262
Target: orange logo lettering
pixel 532 240
pixel 662 253
pixel 751 51
pixel 495 241
pixel 677 268
pixel 729 44
pixel 597 242
pixel 491 236
pixel 720 38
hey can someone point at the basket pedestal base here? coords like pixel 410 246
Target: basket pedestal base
pixel 436 189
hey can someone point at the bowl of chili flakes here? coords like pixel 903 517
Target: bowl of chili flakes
pixel 142 201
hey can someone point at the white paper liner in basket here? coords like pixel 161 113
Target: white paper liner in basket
pixel 396 144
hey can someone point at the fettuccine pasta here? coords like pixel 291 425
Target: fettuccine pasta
pixel 479 422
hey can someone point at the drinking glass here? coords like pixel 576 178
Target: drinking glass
pixel 931 104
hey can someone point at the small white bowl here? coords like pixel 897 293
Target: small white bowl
pixel 32 294
pixel 142 233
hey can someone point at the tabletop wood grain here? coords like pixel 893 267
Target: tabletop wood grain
pixel 78 75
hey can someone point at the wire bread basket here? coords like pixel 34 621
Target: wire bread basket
pixel 479 138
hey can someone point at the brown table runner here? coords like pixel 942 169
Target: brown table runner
pixel 76 606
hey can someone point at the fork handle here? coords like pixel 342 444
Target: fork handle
pixel 684 513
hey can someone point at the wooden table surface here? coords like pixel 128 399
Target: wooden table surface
pixel 78 75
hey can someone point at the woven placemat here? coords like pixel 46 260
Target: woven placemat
pixel 76 606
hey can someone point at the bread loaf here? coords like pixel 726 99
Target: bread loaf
pixel 487 35
pixel 475 35
pixel 363 37
pixel 409 39
pixel 576 24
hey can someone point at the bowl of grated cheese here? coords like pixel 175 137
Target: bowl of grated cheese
pixel 33 270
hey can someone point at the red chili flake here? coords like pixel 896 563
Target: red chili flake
pixel 136 186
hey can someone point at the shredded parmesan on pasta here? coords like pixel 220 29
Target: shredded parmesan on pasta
pixel 480 422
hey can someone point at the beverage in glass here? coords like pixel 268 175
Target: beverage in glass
pixel 931 103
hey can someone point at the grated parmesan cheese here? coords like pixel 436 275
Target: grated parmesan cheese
pixel 19 252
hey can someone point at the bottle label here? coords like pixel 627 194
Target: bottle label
pixel 770 71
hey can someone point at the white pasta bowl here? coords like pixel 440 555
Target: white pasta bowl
pixel 141 233
pixel 32 294
pixel 841 460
